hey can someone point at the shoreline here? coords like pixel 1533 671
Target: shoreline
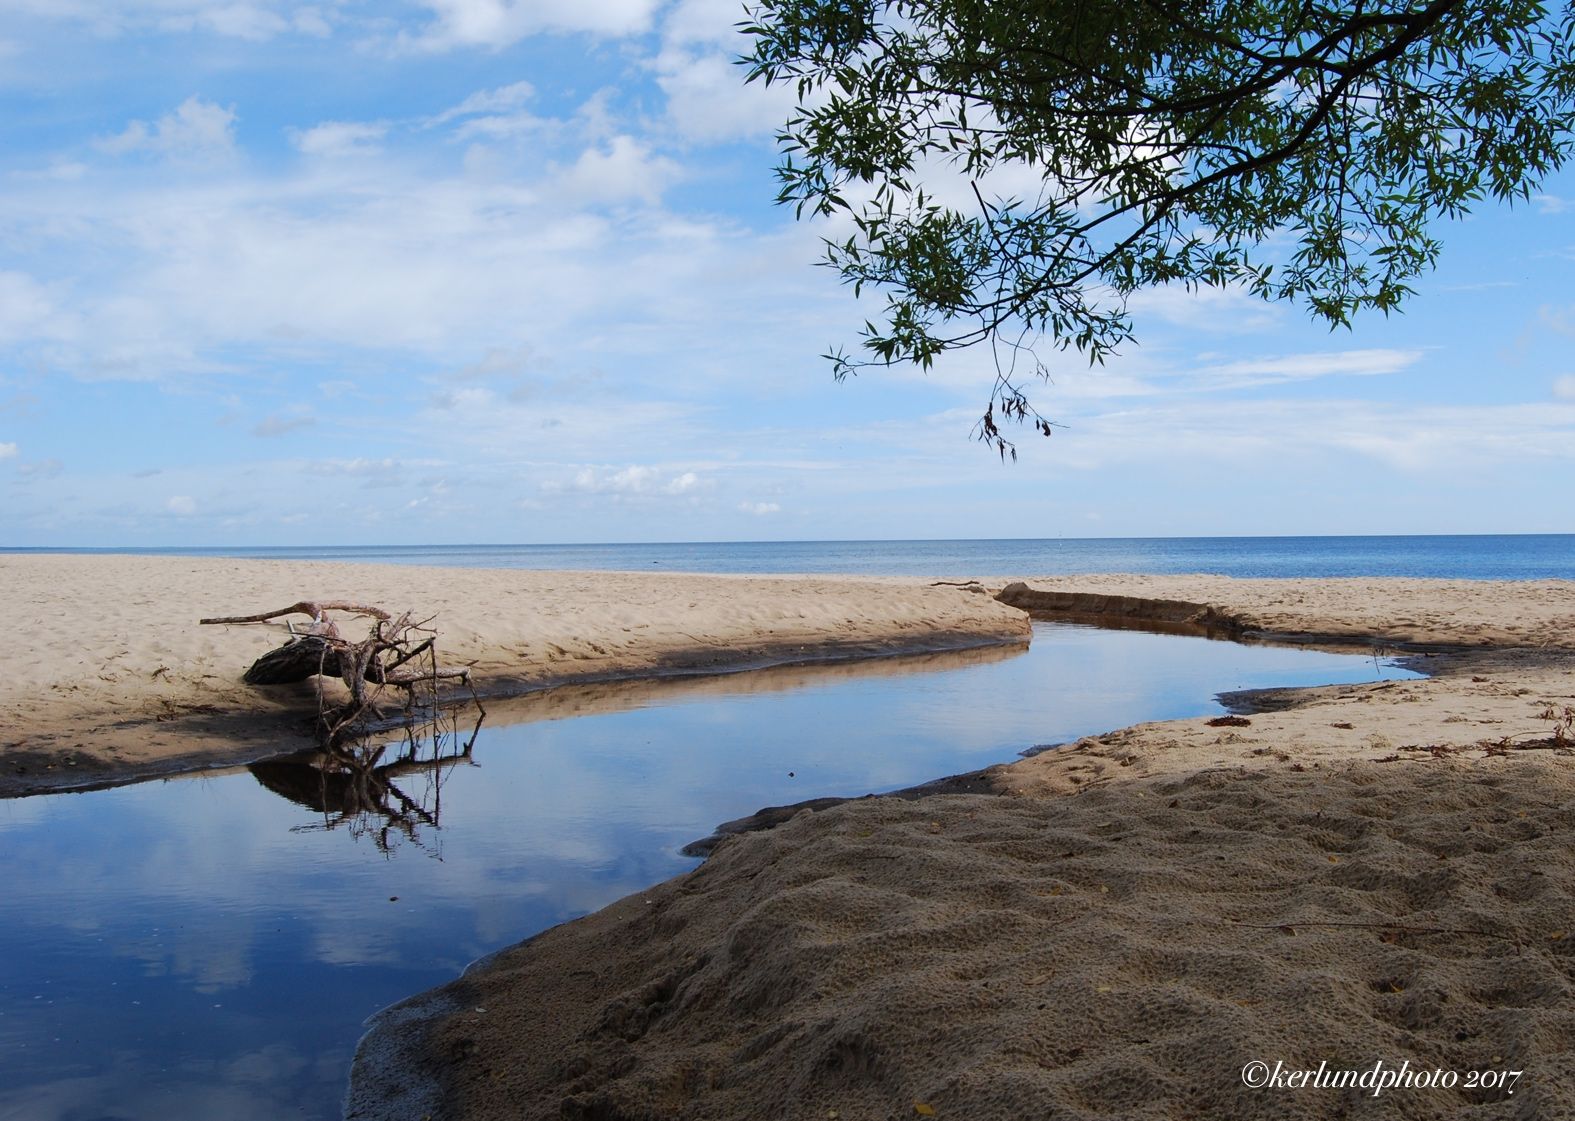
pixel 664 1015
pixel 117 682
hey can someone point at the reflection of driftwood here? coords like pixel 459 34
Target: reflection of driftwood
pixel 354 786
pixel 396 651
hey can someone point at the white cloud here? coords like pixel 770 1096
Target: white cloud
pixel 60 171
pixel 1551 204
pixel 238 21
pixel 706 93
pixel 279 424
pixel 41 469
pixel 27 311
pixel 382 259
pixel 708 100
pixel 634 480
pixel 313 22
pixel 499 23
pixel 506 364
pixel 1305 367
pixel 1564 387
pixel 8 451
pixel 1135 373
pixel 167 277
pixel 375 470
pixel 711 22
pixel 625 169
pixel 339 138
pixel 253 21
pixel 759 509
pixel 181 505
pixel 196 129
pixel 1250 434
pixel 1229 310
pixel 502 100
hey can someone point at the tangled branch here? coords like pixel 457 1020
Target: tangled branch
pixel 397 651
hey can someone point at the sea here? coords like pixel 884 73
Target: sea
pixel 1451 556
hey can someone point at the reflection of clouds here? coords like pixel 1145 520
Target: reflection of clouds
pixel 270 1065
pixel 362 946
pixel 552 803
pixel 214 966
pixel 214 885
pixel 261 1085
pixel 212 955
pixel 17 812
pixel 601 698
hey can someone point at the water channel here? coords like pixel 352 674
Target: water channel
pixel 209 946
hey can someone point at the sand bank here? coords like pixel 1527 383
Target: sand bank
pixel 1394 613
pixel 1356 875
pixel 107 674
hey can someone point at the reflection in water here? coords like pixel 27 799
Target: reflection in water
pixel 351 785
pixel 602 698
pixel 206 948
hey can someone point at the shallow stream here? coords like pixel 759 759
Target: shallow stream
pixel 209 946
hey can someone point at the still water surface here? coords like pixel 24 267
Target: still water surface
pixel 209 948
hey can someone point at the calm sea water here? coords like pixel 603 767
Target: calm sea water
pixel 1483 557
pixel 208 947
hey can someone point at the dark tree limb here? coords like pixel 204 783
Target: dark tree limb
pixel 295 661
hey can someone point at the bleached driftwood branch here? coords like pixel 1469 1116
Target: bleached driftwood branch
pixel 383 657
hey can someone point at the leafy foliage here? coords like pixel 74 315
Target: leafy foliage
pixel 1171 142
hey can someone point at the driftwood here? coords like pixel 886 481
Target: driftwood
pixel 397 651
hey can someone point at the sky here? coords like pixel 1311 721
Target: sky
pixel 509 271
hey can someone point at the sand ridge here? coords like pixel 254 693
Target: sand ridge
pixel 1385 610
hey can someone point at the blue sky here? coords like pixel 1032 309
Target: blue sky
pixel 493 271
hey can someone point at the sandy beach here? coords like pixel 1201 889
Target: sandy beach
pixel 1121 927
pixel 110 676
